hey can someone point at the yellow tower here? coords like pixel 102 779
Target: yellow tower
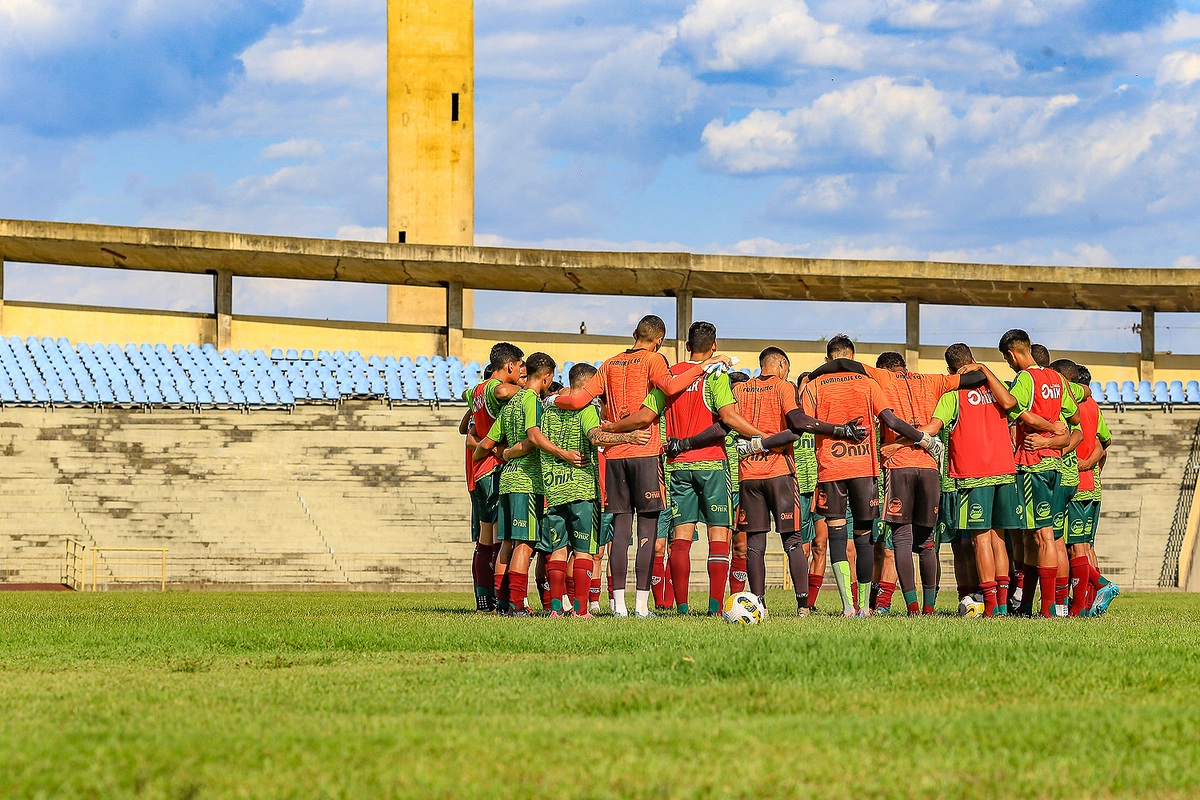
pixel 431 148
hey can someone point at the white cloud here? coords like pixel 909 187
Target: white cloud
pixel 352 62
pixel 951 14
pixel 294 148
pixel 823 193
pixel 1187 262
pixel 740 35
pixel 1181 67
pixel 359 233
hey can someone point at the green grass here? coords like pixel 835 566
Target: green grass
pixel 372 695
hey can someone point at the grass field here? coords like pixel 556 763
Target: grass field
pixel 385 695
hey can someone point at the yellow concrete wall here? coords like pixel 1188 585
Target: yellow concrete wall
pixel 93 324
pixel 431 159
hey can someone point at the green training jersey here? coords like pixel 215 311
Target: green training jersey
pixel 522 412
pixel 565 483
pixel 717 394
pixel 490 400
pixel 731 460
pixel 1069 463
pixel 806 463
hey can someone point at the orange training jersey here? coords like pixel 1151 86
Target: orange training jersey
pixel 765 403
pixel 625 380
pixel 838 399
pixel 913 396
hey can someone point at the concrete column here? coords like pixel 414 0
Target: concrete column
pixel 683 321
pixel 223 307
pixel 2 330
pixel 912 334
pixel 1146 372
pixel 454 320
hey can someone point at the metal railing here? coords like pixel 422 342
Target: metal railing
pixel 1169 577
pixel 108 563
pixel 75 566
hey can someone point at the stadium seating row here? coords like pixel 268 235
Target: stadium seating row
pixel 53 372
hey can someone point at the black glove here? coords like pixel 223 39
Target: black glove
pixel 674 447
pixel 851 431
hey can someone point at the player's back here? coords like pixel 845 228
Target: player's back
pixel 484 410
pixel 912 396
pixel 1047 403
pixel 627 379
pixel 522 474
pixel 979 444
pixel 765 402
pixel 692 411
pixel 838 399
pixel 563 481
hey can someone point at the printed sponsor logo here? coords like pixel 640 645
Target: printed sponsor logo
pixel 1043 509
pixel 846 450
pixel 1077 527
pixel 519 523
pixel 787 515
pixel 1051 391
pixel 1059 519
pixel 895 506
pixel 1020 510
pixel 653 495
pixel 980 397
pixel 976 513
pixel 718 507
pixel 822 500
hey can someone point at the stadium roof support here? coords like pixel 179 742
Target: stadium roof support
pixel 686 275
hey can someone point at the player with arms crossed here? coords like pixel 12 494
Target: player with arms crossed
pixel 633 473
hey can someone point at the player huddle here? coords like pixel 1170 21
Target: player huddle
pixel 854 466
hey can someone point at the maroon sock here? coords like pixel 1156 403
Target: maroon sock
pixel 556 579
pixel 581 582
pixel 680 562
pixel 518 589
pixel 854 593
pixel 571 581
pixel 718 574
pixel 989 598
pixel 544 594
pixel 1029 574
pixel 478 560
pixel 500 584
pixel 1002 590
pixel 737 575
pixel 494 556
pixel 594 589
pixel 658 583
pixel 873 600
pixel 1079 584
pixel 886 590
pixel 1062 587
pixel 1046 580
pixel 610 589
pixel 914 609
pixel 814 588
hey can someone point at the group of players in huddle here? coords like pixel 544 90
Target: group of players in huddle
pixel 862 466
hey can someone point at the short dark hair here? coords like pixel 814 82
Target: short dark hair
pixel 1041 356
pixel 958 355
pixel 537 363
pixel 839 346
pixel 1013 338
pixel 487 371
pixel 800 378
pixel 581 373
pixel 1085 374
pixel 555 386
pixel 889 360
pixel 772 354
pixel 1067 368
pixel 737 376
pixel 701 336
pixel 504 354
pixel 649 328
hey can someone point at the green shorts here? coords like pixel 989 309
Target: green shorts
pixel 988 508
pixel 1036 490
pixel 520 518
pixel 808 520
pixel 882 532
pixel 701 495
pixel 485 502
pixel 606 529
pixel 576 525
pixel 1062 498
pixel 665 525
pixel 1083 517
pixel 946 531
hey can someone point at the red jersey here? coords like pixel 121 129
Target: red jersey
pixel 484 421
pixel 1089 423
pixel 765 403
pixel 980 445
pixel 838 399
pixel 1047 404
pixel 688 413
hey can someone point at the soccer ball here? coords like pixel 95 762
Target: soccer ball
pixel 743 609
pixel 970 606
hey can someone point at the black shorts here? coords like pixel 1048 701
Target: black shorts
pixel 911 496
pixel 762 499
pixel 634 485
pixel 860 494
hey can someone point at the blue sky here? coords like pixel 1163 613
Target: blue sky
pixel 1058 131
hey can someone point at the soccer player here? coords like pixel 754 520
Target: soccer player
pixel 806 484
pixel 1040 402
pixel 1083 514
pixel 848 473
pixel 572 518
pixel 634 475
pixel 981 463
pixel 737 544
pixel 503 378
pixel 522 491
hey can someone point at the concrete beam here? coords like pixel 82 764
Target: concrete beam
pixel 912 334
pixel 223 307
pixel 683 321
pixel 635 274
pixel 1146 372
pixel 454 320
pixel 1 293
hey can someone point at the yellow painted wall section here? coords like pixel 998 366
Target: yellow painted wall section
pixel 431 156
pixel 93 324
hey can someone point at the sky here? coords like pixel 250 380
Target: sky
pixel 1008 131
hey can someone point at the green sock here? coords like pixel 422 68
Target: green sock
pixel 910 597
pixel 841 574
pixel 1002 611
pixel 683 608
pixel 1104 581
pixel 864 596
pixel 556 604
pixel 714 606
pixel 929 596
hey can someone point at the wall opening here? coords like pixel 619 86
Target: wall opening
pixel 454 107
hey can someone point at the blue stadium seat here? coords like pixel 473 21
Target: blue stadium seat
pixel 307 355
pixel 293 355
pixel 1175 392
pixel 276 354
pixel 1192 391
pixel 390 361
pixel 1112 392
pixel 375 362
pixel 1145 393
